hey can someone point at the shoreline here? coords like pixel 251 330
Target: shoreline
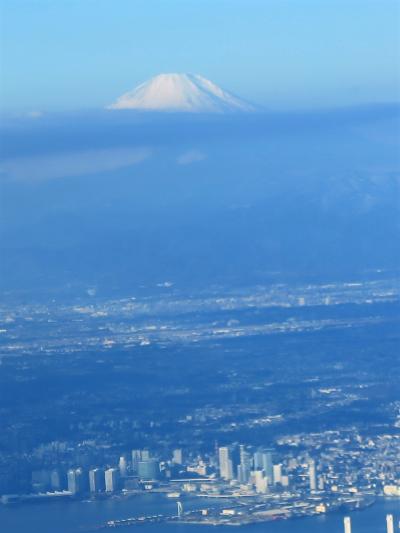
pixel 216 517
pixel 82 516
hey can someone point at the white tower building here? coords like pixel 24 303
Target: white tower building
pixel 261 482
pixel 389 523
pixel 177 456
pixel 123 466
pixel 313 476
pixel 277 471
pixel 111 479
pixel 75 480
pixel 96 480
pixel 225 463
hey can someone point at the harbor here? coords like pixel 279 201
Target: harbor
pixel 73 516
pixel 243 513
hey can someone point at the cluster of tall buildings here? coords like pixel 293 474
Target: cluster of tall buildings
pixel 96 480
pixel 259 468
pixel 142 467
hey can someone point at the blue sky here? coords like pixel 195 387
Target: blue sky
pixel 77 54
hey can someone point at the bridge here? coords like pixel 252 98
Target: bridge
pixel 137 520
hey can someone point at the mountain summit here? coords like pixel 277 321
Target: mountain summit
pixel 181 93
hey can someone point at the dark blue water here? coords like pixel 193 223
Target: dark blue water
pixel 75 517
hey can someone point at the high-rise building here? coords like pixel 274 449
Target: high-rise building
pixel 136 457
pixel 389 523
pixel 263 460
pixel 56 482
pixel 267 464
pixel 244 456
pixel 177 456
pixel 277 473
pixel 149 470
pixel 123 466
pixel 111 479
pixel 312 475
pixel 347 524
pixel 96 480
pixel 285 481
pixel 75 480
pixel 225 463
pixel 145 455
pixel 243 473
pixel 244 467
pixel 260 481
pixel 258 460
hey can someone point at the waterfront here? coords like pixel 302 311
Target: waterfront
pixel 76 517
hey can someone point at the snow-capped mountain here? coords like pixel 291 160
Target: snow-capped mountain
pixel 181 93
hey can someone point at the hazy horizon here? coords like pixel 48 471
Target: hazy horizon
pixel 200 265
pixel 280 55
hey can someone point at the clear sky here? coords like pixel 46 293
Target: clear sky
pixel 76 54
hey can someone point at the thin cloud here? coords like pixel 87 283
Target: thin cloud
pixel 39 168
pixel 34 114
pixel 192 156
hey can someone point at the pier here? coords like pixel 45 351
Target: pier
pixel 137 520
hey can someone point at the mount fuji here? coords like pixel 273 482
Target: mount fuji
pixel 181 93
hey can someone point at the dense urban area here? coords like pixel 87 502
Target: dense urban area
pixel 289 406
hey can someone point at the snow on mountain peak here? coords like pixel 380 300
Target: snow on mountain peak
pixel 181 93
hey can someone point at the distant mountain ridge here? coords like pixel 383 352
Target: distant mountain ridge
pixel 189 93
